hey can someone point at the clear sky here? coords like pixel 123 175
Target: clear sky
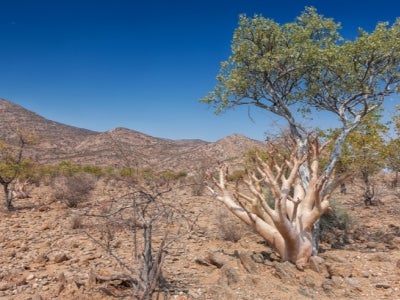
pixel 144 64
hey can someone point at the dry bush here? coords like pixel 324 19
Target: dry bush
pixel 196 182
pixel 143 221
pixel 229 228
pixel 335 226
pixel 74 189
pixel 76 222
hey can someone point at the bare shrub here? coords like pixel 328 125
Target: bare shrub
pixel 197 188
pixel 76 222
pixel 229 228
pixel 148 224
pixel 335 226
pixel 74 189
pixel 197 183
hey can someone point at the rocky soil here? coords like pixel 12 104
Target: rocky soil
pixel 50 251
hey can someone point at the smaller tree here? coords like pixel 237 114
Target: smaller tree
pixel 364 152
pixel 13 163
pixel 393 157
pixel 149 224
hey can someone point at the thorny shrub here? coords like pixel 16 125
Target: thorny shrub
pixel 336 225
pixel 229 228
pixel 144 221
pixel 74 189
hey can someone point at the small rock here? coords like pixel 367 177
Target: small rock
pixel 266 254
pixel 201 261
pixel 11 253
pixel 59 258
pixel 354 283
pixel 380 257
pixel 37 297
pixel 4 286
pixel 382 286
pixel 285 271
pixel 91 280
pixel 61 277
pixel 45 226
pixel 332 257
pixel 247 262
pixel 60 288
pixel 258 258
pixel 229 275
pixel 305 292
pixel 30 277
pixel 396 241
pixel 340 269
pixel 23 247
pixel 21 281
pixel 316 264
pixel 327 285
pixel 41 258
pixel 274 257
pixel 309 281
pixel 217 259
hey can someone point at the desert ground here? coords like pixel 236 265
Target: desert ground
pixel 51 251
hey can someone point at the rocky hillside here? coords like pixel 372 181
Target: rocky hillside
pixel 54 139
pixel 119 146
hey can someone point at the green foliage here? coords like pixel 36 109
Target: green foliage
pixel 94 170
pixel 68 168
pixel 396 120
pixel 365 148
pixel 393 146
pixel 236 175
pixel 170 175
pixel 305 66
pixel 128 172
pixel 264 52
pixel 13 164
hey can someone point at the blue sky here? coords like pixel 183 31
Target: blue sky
pixel 142 64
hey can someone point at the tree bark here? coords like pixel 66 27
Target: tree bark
pixel 7 196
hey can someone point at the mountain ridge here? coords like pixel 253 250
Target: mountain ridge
pixel 118 146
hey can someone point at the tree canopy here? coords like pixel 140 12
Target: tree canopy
pixel 306 65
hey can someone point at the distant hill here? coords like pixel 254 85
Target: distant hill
pixel 119 146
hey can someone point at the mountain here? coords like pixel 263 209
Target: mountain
pixel 55 139
pixel 117 147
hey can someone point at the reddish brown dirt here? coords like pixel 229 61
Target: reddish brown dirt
pixel 46 254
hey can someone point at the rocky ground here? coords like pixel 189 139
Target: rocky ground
pixel 50 251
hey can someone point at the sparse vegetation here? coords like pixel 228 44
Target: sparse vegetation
pixel 336 226
pixel 73 189
pixel 229 228
pixel 130 232
pixel 152 227
pixel 13 164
